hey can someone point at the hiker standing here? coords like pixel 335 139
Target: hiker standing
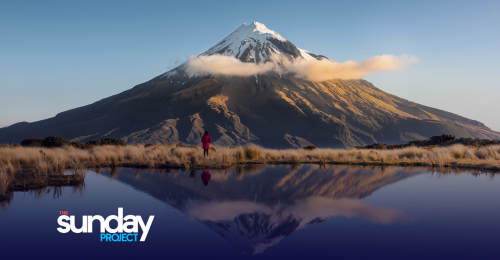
pixel 206 140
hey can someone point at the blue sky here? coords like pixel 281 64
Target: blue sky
pixel 58 55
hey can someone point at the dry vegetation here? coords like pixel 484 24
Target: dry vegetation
pixel 57 159
pixel 44 166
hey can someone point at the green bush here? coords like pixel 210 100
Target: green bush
pixel 54 141
pixel 94 142
pixel 310 147
pixel 32 142
pixel 435 141
pixel 80 145
pixel 113 141
pixel 107 141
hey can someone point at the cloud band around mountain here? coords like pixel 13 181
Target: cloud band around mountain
pixel 226 65
pixel 313 70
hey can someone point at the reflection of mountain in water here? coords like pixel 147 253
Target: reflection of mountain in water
pixel 254 208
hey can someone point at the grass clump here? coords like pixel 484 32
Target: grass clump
pixel 252 152
pixel 52 160
pixel 4 181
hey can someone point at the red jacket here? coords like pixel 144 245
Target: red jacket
pixel 205 176
pixel 206 140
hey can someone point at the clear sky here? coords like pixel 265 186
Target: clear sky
pixel 58 55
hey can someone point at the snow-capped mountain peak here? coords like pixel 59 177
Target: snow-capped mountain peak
pixel 256 43
pixel 255 30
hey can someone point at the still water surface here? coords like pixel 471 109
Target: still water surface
pixel 267 212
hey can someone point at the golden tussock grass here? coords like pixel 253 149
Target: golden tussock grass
pixel 57 159
pixel 4 182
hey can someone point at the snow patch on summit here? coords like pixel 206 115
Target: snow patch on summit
pixel 253 43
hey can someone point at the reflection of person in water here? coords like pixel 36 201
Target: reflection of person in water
pixel 205 177
pixel 206 140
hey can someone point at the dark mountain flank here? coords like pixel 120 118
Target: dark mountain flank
pixel 271 109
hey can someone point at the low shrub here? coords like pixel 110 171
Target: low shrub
pixel 32 142
pixel 94 142
pixel 113 141
pixel 80 145
pixel 54 141
pixel 433 142
pixel 107 141
pixel 379 146
pixel 310 147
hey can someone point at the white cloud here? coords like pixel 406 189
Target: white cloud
pixel 313 70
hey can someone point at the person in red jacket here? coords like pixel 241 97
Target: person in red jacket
pixel 205 177
pixel 206 140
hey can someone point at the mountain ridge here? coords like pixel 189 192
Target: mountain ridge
pixel 272 109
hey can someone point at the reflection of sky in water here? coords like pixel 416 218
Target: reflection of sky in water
pixel 272 212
